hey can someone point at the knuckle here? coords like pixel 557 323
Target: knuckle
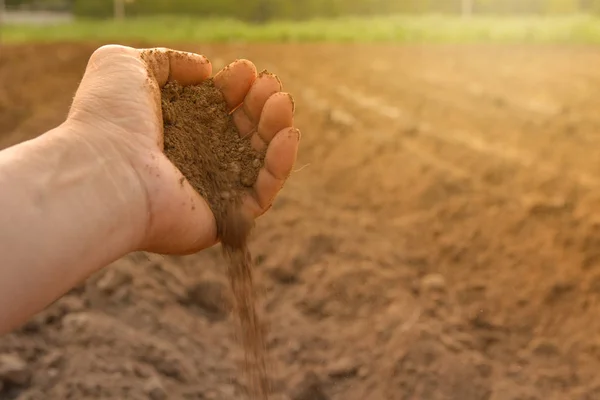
pixel 105 50
pixel 108 51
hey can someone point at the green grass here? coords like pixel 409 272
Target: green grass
pixel 402 29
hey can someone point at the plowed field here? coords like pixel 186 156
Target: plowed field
pixel 440 238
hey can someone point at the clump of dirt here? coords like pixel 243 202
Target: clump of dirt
pixel 202 140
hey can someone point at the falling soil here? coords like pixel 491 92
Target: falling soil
pixel 202 140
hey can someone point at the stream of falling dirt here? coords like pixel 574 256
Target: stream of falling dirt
pixel 251 333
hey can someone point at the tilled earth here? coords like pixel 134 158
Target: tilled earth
pixel 440 238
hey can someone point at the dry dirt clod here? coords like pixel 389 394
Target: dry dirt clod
pixel 544 348
pixel 154 389
pixel 69 304
pixel 433 283
pixel 52 359
pixel 363 372
pixel 202 141
pixel 227 390
pixel 113 279
pixel 310 388
pixel 77 322
pixel 211 297
pixel 284 274
pixel 14 370
pixel 342 368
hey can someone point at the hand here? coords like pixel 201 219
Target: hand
pixel 118 103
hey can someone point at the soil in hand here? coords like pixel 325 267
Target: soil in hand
pixel 202 140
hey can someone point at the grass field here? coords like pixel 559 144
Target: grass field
pixel 578 29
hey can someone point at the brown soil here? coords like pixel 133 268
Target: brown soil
pixel 203 142
pixel 440 239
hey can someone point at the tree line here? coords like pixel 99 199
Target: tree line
pixel 263 10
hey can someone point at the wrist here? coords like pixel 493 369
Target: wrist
pixel 71 196
pixel 113 186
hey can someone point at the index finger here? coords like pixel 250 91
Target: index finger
pixel 172 65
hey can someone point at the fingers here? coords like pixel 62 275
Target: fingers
pixel 235 80
pixel 264 113
pixel 247 116
pixel 170 65
pixel 279 161
pixel 277 114
pixel 265 85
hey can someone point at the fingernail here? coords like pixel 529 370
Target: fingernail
pixel 296 132
pixel 278 81
pixel 293 103
pixel 264 72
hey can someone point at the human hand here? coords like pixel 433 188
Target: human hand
pixel 119 104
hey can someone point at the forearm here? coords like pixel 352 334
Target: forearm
pixel 69 205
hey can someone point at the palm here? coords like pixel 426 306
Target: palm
pixel 181 221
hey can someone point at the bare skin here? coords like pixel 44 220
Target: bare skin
pixel 98 186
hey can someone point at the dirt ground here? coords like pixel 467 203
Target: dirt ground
pixel 440 238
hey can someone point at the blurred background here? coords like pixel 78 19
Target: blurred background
pixel 264 10
pixel 439 238
pixel 348 20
